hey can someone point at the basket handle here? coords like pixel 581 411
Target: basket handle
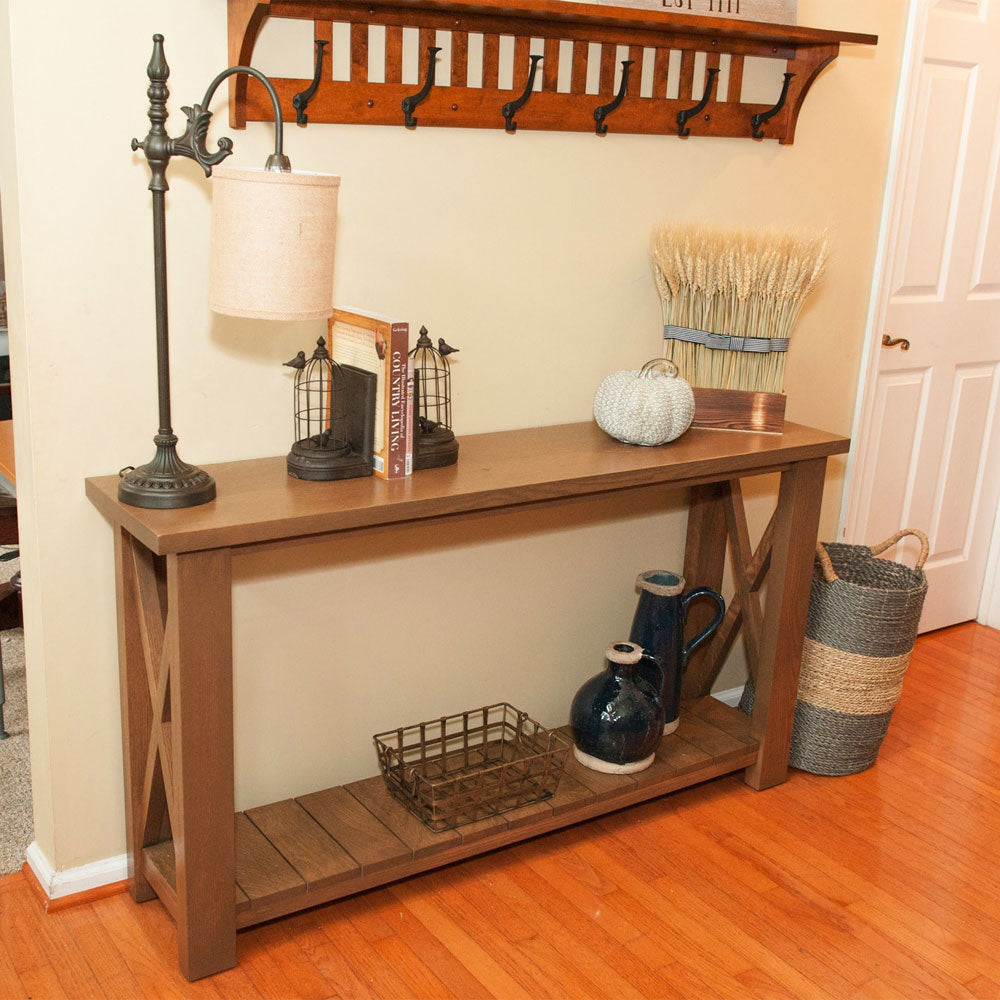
pixel 830 574
pixel 925 547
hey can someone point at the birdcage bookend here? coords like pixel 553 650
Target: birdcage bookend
pixel 434 443
pixel 334 418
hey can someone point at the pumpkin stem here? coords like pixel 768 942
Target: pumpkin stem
pixel 659 368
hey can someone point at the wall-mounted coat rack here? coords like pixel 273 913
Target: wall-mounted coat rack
pixel 622 48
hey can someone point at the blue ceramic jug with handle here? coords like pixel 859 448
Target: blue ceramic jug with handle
pixel 658 627
pixel 617 715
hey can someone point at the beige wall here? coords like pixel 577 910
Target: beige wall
pixel 528 252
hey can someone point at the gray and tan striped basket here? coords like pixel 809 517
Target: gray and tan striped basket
pixel 863 619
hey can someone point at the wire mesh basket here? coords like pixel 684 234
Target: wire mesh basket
pixel 467 767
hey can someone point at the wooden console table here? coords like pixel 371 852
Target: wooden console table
pixel 175 650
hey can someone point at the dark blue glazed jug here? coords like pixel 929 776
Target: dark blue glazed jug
pixel 658 627
pixel 617 716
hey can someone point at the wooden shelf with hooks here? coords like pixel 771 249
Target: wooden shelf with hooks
pixel 568 37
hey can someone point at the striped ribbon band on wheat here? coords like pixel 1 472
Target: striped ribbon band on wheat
pixel 724 342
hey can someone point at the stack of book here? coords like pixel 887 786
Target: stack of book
pixel 381 345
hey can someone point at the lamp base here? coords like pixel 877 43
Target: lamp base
pixel 166 483
pixel 433 449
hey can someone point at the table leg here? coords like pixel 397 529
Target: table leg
pixel 704 564
pixel 796 523
pixel 200 650
pixel 136 707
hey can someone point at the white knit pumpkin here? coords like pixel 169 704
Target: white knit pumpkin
pixel 648 407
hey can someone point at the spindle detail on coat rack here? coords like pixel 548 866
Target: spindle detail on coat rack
pixel 578 49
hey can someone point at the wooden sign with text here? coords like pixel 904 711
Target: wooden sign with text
pixel 771 11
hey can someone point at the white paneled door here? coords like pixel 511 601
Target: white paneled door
pixel 928 441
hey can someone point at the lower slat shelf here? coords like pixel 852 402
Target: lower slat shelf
pixel 319 847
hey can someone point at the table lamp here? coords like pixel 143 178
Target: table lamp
pixel 273 234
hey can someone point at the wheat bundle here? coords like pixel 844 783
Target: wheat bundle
pixel 738 284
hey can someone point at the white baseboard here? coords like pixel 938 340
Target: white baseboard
pixel 730 697
pixel 71 881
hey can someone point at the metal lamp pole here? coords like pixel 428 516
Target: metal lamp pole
pixel 166 481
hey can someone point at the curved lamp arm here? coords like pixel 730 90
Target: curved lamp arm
pixel 277 160
pixel 159 147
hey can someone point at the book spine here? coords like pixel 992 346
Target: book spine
pixel 409 416
pixel 396 404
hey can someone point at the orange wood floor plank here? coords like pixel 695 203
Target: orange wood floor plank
pixel 58 945
pixel 548 906
pixel 10 982
pixel 573 942
pixel 368 921
pixel 829 969
pixel 419 979
pixel 366 962
pixel 158 927
pixel 42 981
pixel 260 966
pixel 540 967
pixel 711 935
pixel 792 916
pixel 958 830
pixel 760 986
pixel 307 932
pixel 684 983
pixel 885 962
pixel 363 912
pixel 706 926
pixel 292 965
pixel 967 713
pixel 419 900
pixel 983 988
pixel 558 872
pixel 790 837
pixel 910 729
pixel 876 886
pixel 153 971
pixel 25 951
pixel 964 673
pixel 973 894
pixel 432 951
pixel 103 957
pixel 907 810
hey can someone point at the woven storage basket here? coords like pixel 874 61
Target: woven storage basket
pixel 863 618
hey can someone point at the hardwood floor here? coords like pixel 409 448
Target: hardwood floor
pixel 883 885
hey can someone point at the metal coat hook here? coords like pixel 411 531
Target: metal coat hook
pixel 766 116
pixel 605 109
pixel 410 103
pixel 683 117
pixel 301 101
pixel 511 108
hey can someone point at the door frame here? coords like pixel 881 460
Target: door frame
pixel 899 158
pixel 989 604
pixel 899 150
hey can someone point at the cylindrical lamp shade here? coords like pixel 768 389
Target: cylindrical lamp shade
pixel 273 237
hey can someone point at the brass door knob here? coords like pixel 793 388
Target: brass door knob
pixel 887 341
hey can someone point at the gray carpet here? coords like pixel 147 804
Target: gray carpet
pixel 16 828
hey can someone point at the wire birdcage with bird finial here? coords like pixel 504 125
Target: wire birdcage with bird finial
pixel 334 418
pixel 434 441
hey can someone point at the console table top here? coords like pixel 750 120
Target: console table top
pixel 258 502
